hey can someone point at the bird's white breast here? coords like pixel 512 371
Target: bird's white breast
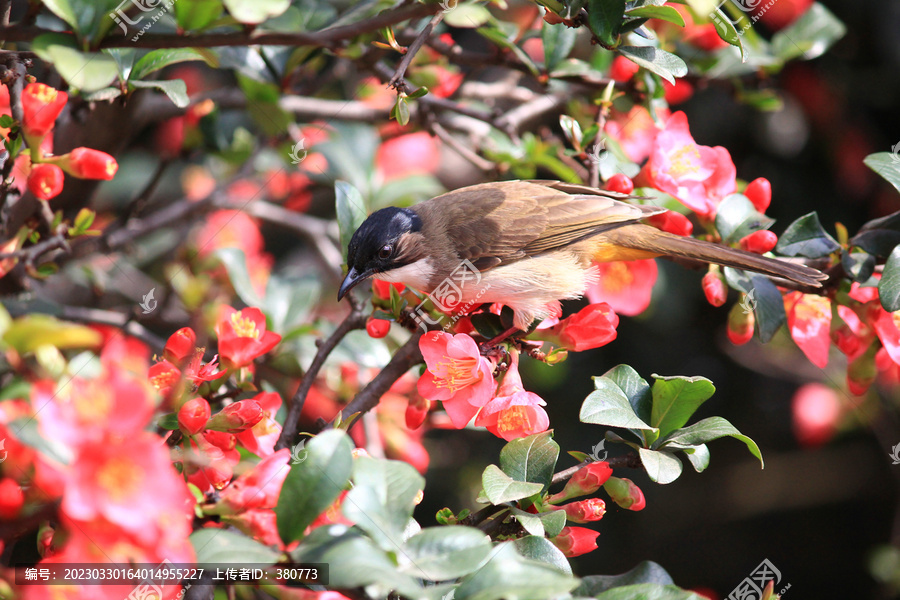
pixel 415 275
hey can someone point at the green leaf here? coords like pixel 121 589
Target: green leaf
pixel 531 458
pixel 351 212
pixel 708 430
pixel 197 14
pixel 507 574
pixel 726 29
pixel 648 591
pixel 810 35
pixel 235 264
pixel 806 237
pixel 28 333
pixel 313 484
pixel 609 405
pixel 634 387
pixel 645 572
pixel 572 130
pixel 664 13
pixel 400 112
pixel 159 59
pixel 665 64
pixel 889 285
pixel 500 487
pixel 767 300
pixel 887 165
pixel 661 466
pixel 175 89
pixel 604 19
pixel 858 264
pixel 541 549
pixel 440 553
pixel 87 71
pixel 698 455
pixel 736 217
pixel 676 398
pixel 467 15
pixel 547 524
pixel 382 499
pixel 558 43
pixel 89 18
pixel 228 547
pixel 168 421
pixel 253 12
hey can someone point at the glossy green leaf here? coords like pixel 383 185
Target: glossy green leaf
pixel 500 487
pixel 648 591
pixel 726 29
pixel 661 466
pixel 889 285
pixel 441 553
pixel 220 546
pixel 665 64
pixel 235 264
pixel 663 13
pixel 351 212
pixel 253 12
pixel 736 217
pixel 708 430
pixel 175 89
pixel 767 302
pixel 467 15
pixel 608 405
pixel 806 237
pixel 192 15
pixel 313 484
pixel 676 398
pixel 156 60
pixel 697 455
pixel 559 41
pixel 645 572
pixel 858 264
pixel 547 524
pixel 604 19
pixel 531 458
pixel 90 19
pixel 635 388
pixel 810 35
pixel 541 549
pixel 507 574
pixel 887 165
pixel 87 71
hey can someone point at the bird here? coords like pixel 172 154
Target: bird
pixel 526 244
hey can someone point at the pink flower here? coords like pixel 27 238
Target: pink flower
pixel 408 154
pixel 591 327
pixel 635 131
pixel 809 321
pixel 260 439
pixel 816 411
pixel 456 374
pixel 626 286
pixel 514 413
pixel 698 176
pixel 260 487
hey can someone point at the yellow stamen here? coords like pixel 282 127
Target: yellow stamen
pixel 244 327
pixel 685 160
pixel 460 373
pixel 516 418
pixel 617 277
pixel 119 477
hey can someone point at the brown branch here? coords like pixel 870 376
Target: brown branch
pixel 468 154
pixel 629 461
pixel 524 114
pixel 413 49
pixel 122 321
pixel 355 320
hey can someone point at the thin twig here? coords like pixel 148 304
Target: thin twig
pixel 468 154
pixel 629 461
pixel 355 320
pixel 122 321
pixel 413 49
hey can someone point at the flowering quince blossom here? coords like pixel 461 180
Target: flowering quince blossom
pixel 635 131
pixel 591 327
pixel 259 487
pixel 514 413
pixel 217 454
pixel 626 286
pixel 456 374
pixel 41 105
pixel 243 336
pixel 575 541
pixel 698 176
pixel 260 439
pixel 809 321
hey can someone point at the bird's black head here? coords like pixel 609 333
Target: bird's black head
pixel 378 245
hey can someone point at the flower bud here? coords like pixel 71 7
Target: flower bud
pixel 180 345
pixel 45 181
pixel 193 415
pixel 740 324
pixel 759 242
pixel 625 493
pixel 619 182
pixel 584 511
pixel 586 480
pixel 41 105
pixel 416 411
pixel 714 287
pixel 672 222
pixel 759 192
pixel 377 328
pixel 575 541
pixel 87 163
pixel 622 70
pixel 237 416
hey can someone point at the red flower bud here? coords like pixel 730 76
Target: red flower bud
pixel 740 324
pixel 759 242
pixel 759 192
pixel 41 105
pixel 622 70
pixel 625 493
pixel 585 511
pixel 575 541
pixel 377 328
pixel 714 287
pixel 586 480
pixel 193 415
pixel 180 345
pixel 382 289
pixel 416 411
pixel 620 183
pixel 672 222
pixel 682 91
pixel 11 499
pixel 238 416
pixel 87 163
pixel 45 181
pixel 591 327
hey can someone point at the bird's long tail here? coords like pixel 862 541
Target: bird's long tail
pixel 644 241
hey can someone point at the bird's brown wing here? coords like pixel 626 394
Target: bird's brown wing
pixel 498 223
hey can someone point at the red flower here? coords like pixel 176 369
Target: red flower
pixel 164 377
pixel 456 374
pixel 759 242
pixel 816 410
pixel 626 286
pixel 779 15
pixel 193 415
pixel 701 35
pixel 698 176
pixel 41 105
pixel 741 323
pixel 377 328
pixel 679 93
pixel 887 326
pixel 243 336
pixel 591 327
pixel 180 345
pixel 45 181
pixel 585 511
pixel 217 455
pixel 622 69
pixel 625 493
pixel 575 541
pixel 714 287
pixel 11 499
pixel 514 413
pixel 635 131
pixel 260 439
pixel 416 411
pixel 585 481
pixel 409 154
pixel 672 222
pixel 259 487
pixel 237 416
pixel 620 183
pixel 809 321
pixel 87 163
pixel 382 289
pixel 197 372
pixel 759 192
pixel 258 523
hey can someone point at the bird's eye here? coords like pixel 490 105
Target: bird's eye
pixel 385 251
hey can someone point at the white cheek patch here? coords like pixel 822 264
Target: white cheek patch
pixel 415 275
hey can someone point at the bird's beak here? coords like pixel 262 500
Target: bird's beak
pixel 353 277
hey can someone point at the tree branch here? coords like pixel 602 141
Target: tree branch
pixel 413 49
